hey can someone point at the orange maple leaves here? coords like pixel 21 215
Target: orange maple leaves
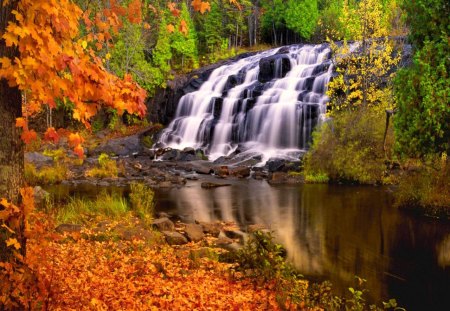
pixel 57 63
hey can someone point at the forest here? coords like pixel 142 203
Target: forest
pixel 224 155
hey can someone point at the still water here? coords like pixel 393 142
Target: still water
pixel 336 232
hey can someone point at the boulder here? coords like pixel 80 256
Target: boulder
pixel 256 227
pixel 171 155
pixel 240 171
pixel 221 171
pixel 137 234
pixel 40 195
pixel 236 234
pixel 37 158
pixel 163 224
pixel 120 146
pixel 275 165
pixel 174 238
pixel 275 66
pixel 211 228
pixel 194 232
pixel 201 167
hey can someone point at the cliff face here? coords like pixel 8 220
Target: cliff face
pixel 162 106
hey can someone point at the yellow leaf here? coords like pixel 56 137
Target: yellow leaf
pixel 108 56
pixel 13 242
pixel 84 44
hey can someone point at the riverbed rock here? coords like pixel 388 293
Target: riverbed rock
pixel 122 146
pixel 137 233
pixel 171 155
pixel 240 171
pixel 40 195
pixel 268 67
pixel 210 185
pixel 174 238
pixel 37 158
pixel 163 224
pixel 201 167
pixel 212 229
pixel 275 165
pixel 221 171
pixel 194 232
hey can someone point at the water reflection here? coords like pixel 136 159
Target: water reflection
pixel 336 232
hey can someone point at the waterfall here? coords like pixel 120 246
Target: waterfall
pixel 267 104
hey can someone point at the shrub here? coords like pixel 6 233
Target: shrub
pixel 45 175
pixel 107 167
pixel 142 200
pixel 349 148
pixel 426 185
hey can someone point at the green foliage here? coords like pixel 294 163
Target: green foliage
pixel 261 257
pixel 301 17
pixel 142 200
pixel 184 47
pixel 161 55
pixel 107 167
pixel 317 178
pixel 128 56
pixel 82 210
pixel 45 175
pixel 426 185
pixel 147 141
pixel 422 121
pixel 428 20
pixel 349 148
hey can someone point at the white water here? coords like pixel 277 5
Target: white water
pixel 277 123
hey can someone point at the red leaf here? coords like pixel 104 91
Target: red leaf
pixel 51 135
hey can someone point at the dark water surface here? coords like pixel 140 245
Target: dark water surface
pixel 336 232
pixel 331 232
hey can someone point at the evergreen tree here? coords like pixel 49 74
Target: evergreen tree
pixel 301 17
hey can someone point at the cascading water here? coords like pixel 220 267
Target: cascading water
pixel 266 104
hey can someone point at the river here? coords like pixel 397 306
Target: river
pixel 331 232
pixel 336 232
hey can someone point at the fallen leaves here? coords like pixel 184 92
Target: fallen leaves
pixel 126 275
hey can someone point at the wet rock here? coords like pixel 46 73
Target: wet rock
pixel 163 224
pixel 202 167
pixel 171 155
pixel 275 66
pixel 211 228
pixel 221 171
pixel 174 238
pixel 189 150
pixel 236 234
pixel 165 184
pixel 223 241
pixel 194 232
pixel 209 185
pixel 191 176
pixel 240 171
pixel 69 228
pixel 275 165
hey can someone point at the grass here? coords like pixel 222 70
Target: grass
pixel 82 210
pixel 106 167
pixel 317 178
pixel 46 175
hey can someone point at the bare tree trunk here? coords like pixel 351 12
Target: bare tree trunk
pixel 11 146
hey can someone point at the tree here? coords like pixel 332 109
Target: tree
pixel 301 17
pixel 422 122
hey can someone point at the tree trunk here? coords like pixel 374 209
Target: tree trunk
pixel 11 146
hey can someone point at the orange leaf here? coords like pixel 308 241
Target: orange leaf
pixel 183 27
pixel 21 122
pixel 172 7
pixel 13 242
pixel 75 140
pixel 201 6
pixel 79 151
pixel 51 135
pixel 28 136
pixel 170 28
